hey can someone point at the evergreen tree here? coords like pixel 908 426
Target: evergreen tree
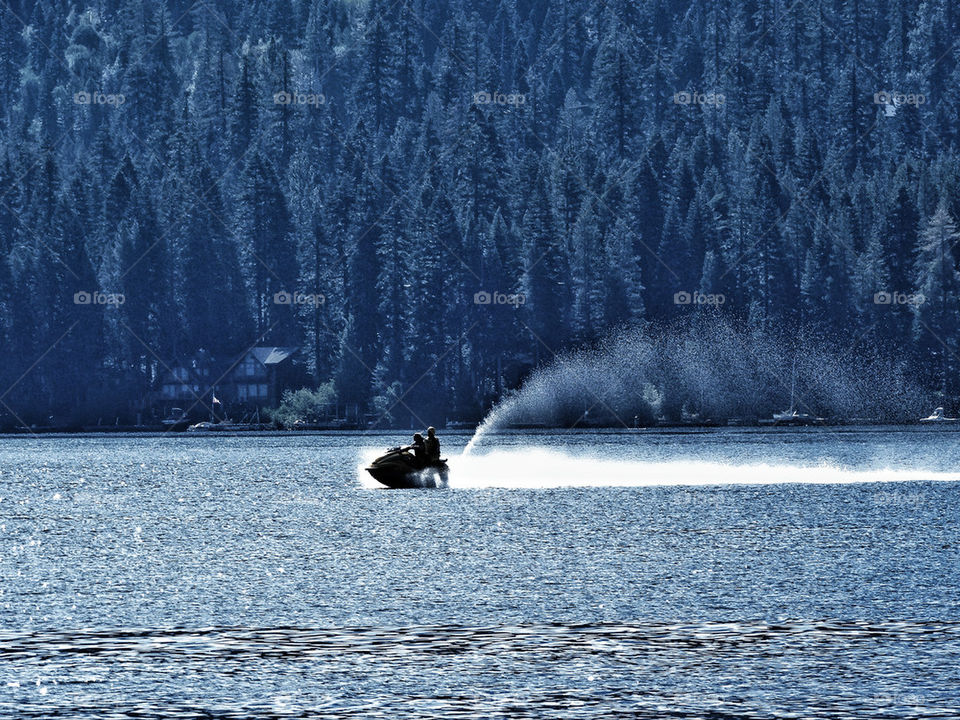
pixel 616 92
pixel 269 253
pixel 936 319
pixel 215 310
pixel 546 274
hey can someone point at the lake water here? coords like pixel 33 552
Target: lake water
pixel 730 573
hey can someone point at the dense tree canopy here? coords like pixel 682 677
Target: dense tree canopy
pixel 471 187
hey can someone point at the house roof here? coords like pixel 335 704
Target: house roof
pixel 272 355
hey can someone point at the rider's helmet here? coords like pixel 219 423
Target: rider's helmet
pixel 431 431
pixel 417 437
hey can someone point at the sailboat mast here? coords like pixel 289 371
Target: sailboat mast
pixel 793 381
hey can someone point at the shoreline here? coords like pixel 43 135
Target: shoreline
pixel 41 433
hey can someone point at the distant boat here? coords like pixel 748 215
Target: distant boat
pixel 938 417
pixel 792 416
pixel 226 426
pixel 795 417
pixel 175 420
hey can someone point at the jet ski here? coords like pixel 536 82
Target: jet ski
pixel 398 469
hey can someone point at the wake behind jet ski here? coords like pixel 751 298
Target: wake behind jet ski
pixel 424 468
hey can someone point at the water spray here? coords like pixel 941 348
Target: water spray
pixel 709 369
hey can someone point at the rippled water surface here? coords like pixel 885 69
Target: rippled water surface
pixel 705 574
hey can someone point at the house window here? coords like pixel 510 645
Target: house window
pixel 253 391
pixel 247 392
pixel 169 391
pixel 248 367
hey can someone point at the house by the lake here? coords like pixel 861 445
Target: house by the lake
pixel 262 375
pixel 241 385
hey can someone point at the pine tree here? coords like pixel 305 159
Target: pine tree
pixel 360 344
pixel 269 253
pixel 937 318
pixel 616 92
pixel 243 115
pixel 546 274
pixel 378 84
pixel 79 329
pixel 216 314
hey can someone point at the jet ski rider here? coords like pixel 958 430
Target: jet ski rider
pixel 419 451
pixel 432 446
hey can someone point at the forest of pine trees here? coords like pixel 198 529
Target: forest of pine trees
pixel 592 159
